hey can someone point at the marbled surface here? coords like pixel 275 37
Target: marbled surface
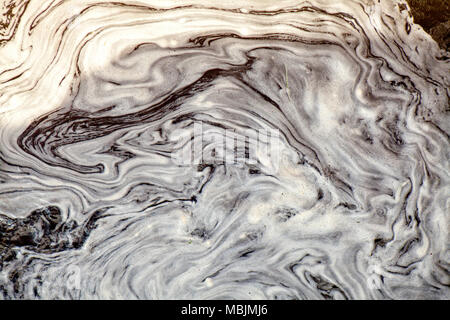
pixel 106 192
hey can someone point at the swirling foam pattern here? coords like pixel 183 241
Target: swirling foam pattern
pixel 96 98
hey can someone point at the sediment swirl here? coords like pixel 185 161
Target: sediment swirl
pixel 128 169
